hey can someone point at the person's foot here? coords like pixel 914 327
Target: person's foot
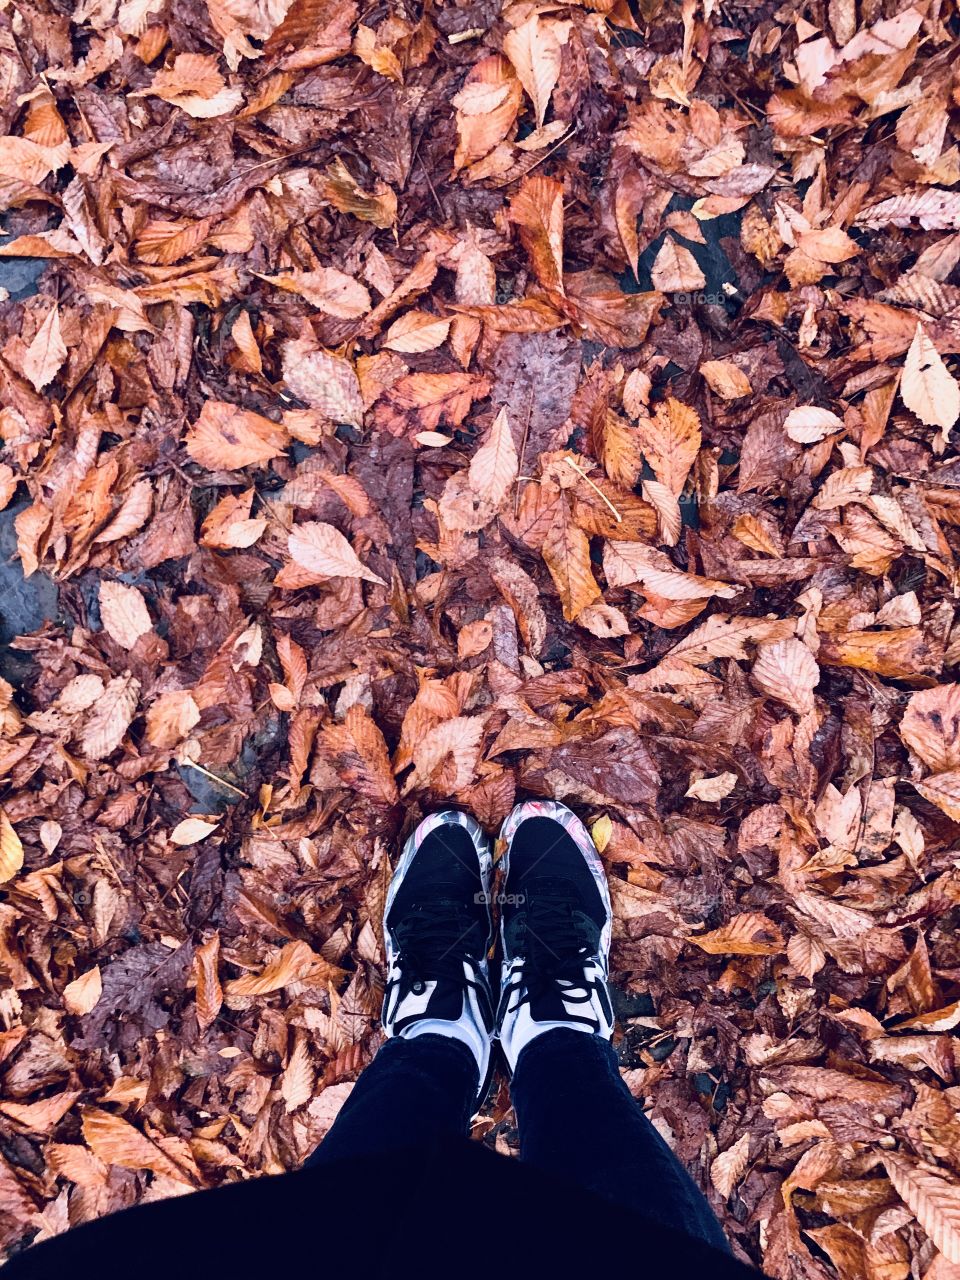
pixel 555 925
pixel 437 930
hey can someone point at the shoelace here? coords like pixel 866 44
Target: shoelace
pixel 434 940
pixel 556 943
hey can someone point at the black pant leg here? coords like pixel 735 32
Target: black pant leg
pixel 413 1093
pixel 578 1120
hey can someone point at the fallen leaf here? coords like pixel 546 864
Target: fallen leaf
pixel 192 830
pixel 82 994
pixel 46 352
pixel 324 550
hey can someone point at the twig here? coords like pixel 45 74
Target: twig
pixel 214 778
pixel 599 492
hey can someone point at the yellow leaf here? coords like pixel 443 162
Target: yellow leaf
pixel 601 831
pixel 11 849
pixel 80 995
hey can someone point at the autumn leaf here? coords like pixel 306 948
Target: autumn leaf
pixel 726 379
pixel 494 467
pixel 124 613
pixel 323 381
pixel 943 790
pixel 566 551
pixel 296 962
pixel 11 849
pixel 932 1197
pixel 931 726
pixel 748 934
pixel 209 990
pixel 116 1141
pixel 416 331
pixel 537 209
pixel 324 550
pixel 192 830
pixel 171 717
pixel 675 269
pixel 82 994
pixel 107 724
pixel 331 291
pixel 787 670
pixel 809 424
pixel 670 441
pixel 927 387
pixel 345 193
pixel 47 352
pixel 535 53
pixel 226 437
pixel 358 753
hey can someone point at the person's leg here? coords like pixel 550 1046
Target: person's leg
pixel 578 1120
pixel 414 1092
pixel 437 1009
pixel 576 1116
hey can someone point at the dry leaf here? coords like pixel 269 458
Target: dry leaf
pixel 927 386
pixel 535 52
pixel 11 850
pixel 787 670
pixel 324 551
pixel 46 352
pixel 226 437
pixel 192 830
pixel 124 614
pixel 494 467
pixel 675 269
pixel 749 934
pixel 82 994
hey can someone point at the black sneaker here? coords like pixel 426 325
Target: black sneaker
pixel 437 931
pixel 555 925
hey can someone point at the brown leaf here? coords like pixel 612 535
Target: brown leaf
pixel 537 209
pixel 566 551
pixel 80 995
pixel 535 52
pixel 171 717
pixel 494 467
pixel 675 269
pixel 324 382
pixel 331 291
pixel 209 991
pixel 296 962
pixel 787 670
pixel 927 386
pixel 116 1141
pixel 11 849
pixel 358 753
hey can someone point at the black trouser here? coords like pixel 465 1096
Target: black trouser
pixel 576 1117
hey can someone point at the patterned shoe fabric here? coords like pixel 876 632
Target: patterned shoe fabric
pixel 437 932
pixel 555 927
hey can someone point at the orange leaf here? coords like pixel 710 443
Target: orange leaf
pixel 226 437
pixel 324 550
pixel 566 551
pixel 749 934
pixel 537 209
pixel 670 441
